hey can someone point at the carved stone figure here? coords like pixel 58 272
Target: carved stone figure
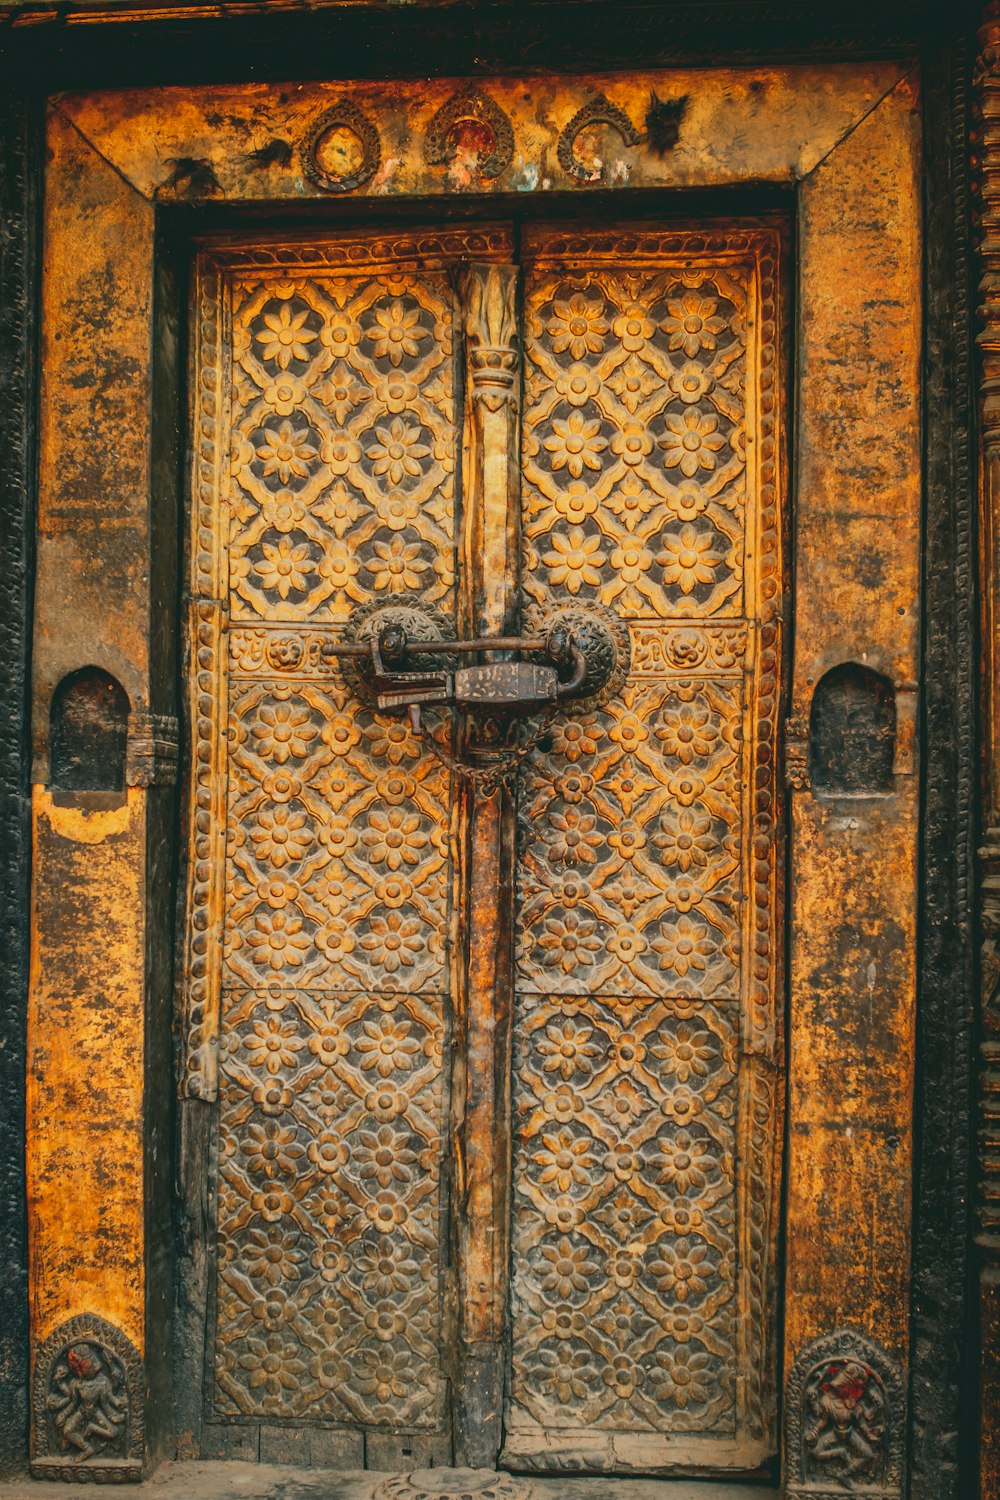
pixel 88 1400
pixel 88 1394
pixel 847 1431
pixel 844 1416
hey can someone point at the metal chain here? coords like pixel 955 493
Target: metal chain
pixel 487 779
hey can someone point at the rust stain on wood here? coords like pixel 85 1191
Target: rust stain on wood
pixel 86 1173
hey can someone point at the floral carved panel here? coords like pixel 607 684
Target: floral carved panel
pixel 334 488
pixel 645 1029
pixel 645 1032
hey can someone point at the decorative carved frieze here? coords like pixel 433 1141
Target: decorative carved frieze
pixel 844 1421
pixel 88 1405
pixel 986 167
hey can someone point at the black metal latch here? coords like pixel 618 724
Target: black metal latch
pixel 505 686
pixel 401 661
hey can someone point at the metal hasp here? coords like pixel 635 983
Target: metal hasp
pixel 387 641
pixel 510 685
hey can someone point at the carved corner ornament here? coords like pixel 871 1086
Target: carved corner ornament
pixel 797 753
pixel 844 1421
pixel 88 1396
pixel 343 150
pixel 152 749
pixel 590 167
pixel 471 136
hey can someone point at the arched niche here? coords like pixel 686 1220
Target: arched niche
pixel 852 732
pixel 89 726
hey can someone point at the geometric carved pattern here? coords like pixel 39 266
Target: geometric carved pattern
pixel 344 430
pixel 88 1405
pixel 646 1039
pixel 640 1298
pixel 845 1411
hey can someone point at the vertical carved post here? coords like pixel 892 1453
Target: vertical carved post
pixel 491 534
pixel 987 91
pixel 483 1005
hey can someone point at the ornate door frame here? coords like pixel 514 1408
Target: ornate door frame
pixel 844 140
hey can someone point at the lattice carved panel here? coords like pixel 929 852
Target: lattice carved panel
pixel 344 434
pixel 343 451
pixel 647 966
pixel 645 1031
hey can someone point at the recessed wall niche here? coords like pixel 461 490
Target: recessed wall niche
pixel 852 732
pixel 89 725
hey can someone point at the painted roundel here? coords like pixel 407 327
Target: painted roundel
pixel 343 149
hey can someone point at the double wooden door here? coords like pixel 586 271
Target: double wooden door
pixel 499 1102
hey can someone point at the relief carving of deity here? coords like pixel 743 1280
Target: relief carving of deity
pixel 89 1401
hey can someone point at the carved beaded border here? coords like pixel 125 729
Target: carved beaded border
pixel 207 670
pixel 432 249
pixel 762 1016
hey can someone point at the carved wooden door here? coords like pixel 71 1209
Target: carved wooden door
pixel 495 1033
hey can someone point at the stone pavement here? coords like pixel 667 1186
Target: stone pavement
pixel 248 1481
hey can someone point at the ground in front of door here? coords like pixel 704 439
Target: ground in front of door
pixel 249 1481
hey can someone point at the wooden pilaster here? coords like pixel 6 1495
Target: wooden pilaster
pixel 483 1005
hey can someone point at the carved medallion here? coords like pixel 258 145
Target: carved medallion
pixel 453 1484
pixel 88 1404
pixel 342 150
pixel 579 148
pixel 419 621
pixel 603 637
pixel 844 1432
pixel 470 135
